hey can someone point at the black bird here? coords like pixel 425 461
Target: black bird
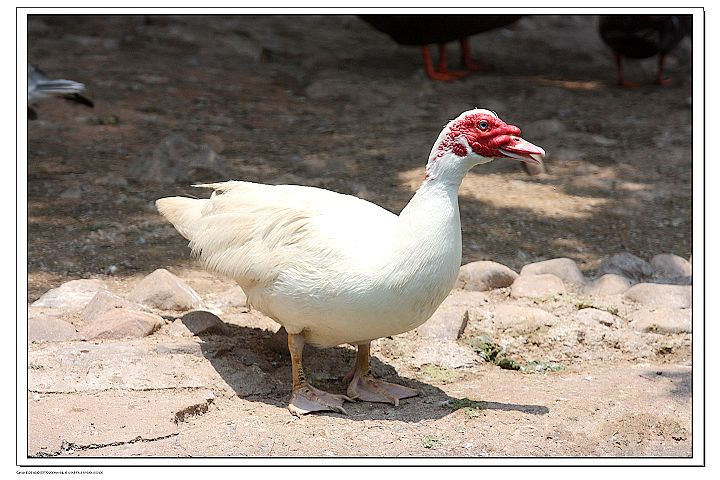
pixel 424 30
pixel 41 87
pixel 643 36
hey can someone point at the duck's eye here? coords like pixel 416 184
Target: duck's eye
pixel 483 125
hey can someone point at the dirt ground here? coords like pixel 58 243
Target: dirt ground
pixel 327 101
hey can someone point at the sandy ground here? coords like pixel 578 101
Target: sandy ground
pixel 327 101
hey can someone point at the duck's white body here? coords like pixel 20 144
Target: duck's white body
pixel 334 267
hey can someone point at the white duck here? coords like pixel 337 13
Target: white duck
pixel 334 269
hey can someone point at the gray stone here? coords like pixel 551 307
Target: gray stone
pixel 447 323
pixel 233 297
pixel 448 354
pixel 662 320
pixel 564 268
pixel 521 319
pixel 178 160
pixel 627 265
pixel 464 298
pixel 197 323
pixel 103 301
pixel 608 284
pixel 536 286
pixel 661 295
pixel 72 295
pixel 50 329
pixel 163 290
pixel 122 323
pixel 484 275
pixel 593 316
pixel 669 265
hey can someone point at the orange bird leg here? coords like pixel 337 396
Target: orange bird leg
pixel 441 74
pixel 468 62
pixel 664 82
pixel 620 78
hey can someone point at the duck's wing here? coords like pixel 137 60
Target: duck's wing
pixel 253 232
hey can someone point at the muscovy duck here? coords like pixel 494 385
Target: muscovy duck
pixel 425 30
pixel 41 87
pixel 643 36
pixel 335 269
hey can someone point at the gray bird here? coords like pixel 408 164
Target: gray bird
pixel 41 87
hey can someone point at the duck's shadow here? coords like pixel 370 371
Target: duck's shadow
pixel 255 363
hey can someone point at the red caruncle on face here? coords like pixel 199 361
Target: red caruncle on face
pixel 484 132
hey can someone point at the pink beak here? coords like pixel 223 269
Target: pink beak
pixel 523 150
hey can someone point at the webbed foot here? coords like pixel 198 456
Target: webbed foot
pixel 306 398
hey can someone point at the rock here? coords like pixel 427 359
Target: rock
pixel 233 297
pixel 49 329
pixel 197 323
pixel 484 275
pixel 103 301
pixel 464 298
pixel 521 319
pixel 660 295
pixel 669 265
pixel 662 320
pixel 564 268
pixel 443 353
pixel 627 265
pixel 608 284
pixel 163 290
pixel 536 286
pixel 593 316
pixel 122 323
pixel 178 160
pixel 72 295
pixel 447 323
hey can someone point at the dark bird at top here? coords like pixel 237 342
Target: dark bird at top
pixel 425 30
pixel 643 36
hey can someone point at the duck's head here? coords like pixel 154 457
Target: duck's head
pixel 478 136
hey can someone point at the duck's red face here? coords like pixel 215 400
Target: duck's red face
pixel 490 137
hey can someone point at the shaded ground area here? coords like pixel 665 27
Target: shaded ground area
pixel 327 101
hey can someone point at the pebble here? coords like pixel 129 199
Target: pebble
pixel 608 284
pixel 178 160
pixel 521 319
pixel 564 268
pixel 122 323
pixel 536 286
pixel 668 265
pixel 464 298
pixel 49 329
pixel 103 301
pixel 163 290
pixel 484 275
pixel 593 316
pixel 448 354
pixel 447 323
pixel 662 320
pixel 661 295
pixel 72 295
pixel 197 323
pixel 627 265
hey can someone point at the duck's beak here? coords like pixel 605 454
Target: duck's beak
pixel 523 150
